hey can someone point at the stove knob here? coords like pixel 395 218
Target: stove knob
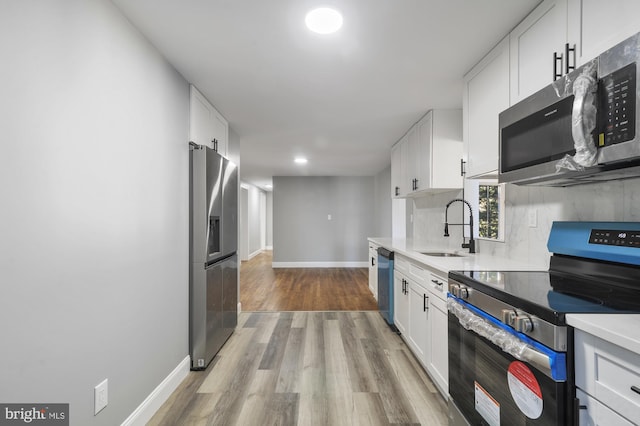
pixel 464 292
pixel 524 324
pixel 509 316
pixel 454 289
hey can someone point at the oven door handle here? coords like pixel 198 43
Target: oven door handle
pixel 551 363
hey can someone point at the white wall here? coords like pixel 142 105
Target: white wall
pixel 269 220
pixel 253 224
pixel 94 217
pixel 609 201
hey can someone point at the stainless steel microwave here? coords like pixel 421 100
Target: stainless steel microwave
pixel 580 129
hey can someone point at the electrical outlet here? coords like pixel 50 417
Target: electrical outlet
pixel 101 396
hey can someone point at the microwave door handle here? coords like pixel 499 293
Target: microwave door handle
pixel 583 118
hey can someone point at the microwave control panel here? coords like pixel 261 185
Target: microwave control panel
pixel 618 106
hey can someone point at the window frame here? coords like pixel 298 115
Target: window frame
pixel 500 205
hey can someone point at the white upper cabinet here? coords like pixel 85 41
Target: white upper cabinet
pixel 533 44
pixel 427 158
pixel 595 26
pixel 443 139
pixel 399 158
pixel 485 95
pixel 206 125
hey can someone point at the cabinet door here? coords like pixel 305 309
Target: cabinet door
pixel 200 124
pixel 419 322
pixel 532 44
pixel 400 302
pixel 438 365
pixel 220 132
pixel 206 125
pixel 396 170
pixel 485 96
pixel 446 149
pixel 373 270
pixel 595 26
pixel 399 172
pixel 422 151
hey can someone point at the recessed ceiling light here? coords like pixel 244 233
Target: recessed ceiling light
pixel 300 160
pixel 323 20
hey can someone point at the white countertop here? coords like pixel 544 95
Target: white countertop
pixel 477 261
pixel 620 329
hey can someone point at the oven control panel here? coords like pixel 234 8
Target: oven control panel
pixel 610 237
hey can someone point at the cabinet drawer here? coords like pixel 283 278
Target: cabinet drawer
pixel 609 373
pixel 402 264
pixel 418 273
pixel 593 413
pixel 438 286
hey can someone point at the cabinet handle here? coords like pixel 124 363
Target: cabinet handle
pixel 438 283
pixel 372 264
pixel 462 170
pixel 635 389
pixel 557 58
pixel 568 49
pixel 416 184
pixel 397 191
pixel 215 144
pixel 425 298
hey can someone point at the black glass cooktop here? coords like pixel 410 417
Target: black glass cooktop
pixel 550 295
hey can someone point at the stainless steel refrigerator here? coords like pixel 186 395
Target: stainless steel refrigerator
pixel 213 275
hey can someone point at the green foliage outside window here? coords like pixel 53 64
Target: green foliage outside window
pixel 489 211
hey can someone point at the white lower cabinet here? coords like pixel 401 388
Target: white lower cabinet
pixel 608 378
pixel 373 269
pixel 420 314
pixel 594 413
pixel 400 301
pixel 419 330
pixel 439 360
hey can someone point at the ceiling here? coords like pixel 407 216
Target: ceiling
pixel 341 100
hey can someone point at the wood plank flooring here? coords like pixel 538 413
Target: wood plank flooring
pixel 308 368
pixel 263 288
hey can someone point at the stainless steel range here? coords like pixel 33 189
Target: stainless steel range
pixel 510 348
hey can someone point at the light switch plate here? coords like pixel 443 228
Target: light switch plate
pixel 101 396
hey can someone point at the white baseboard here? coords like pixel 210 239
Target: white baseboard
pixel 319 264
pixel 254 254
pixel 239 308
pixel 268 248
pixel 160 394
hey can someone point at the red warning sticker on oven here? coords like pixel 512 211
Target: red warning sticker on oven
pixel 525 389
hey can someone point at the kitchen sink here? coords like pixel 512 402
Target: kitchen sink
pixel 441 254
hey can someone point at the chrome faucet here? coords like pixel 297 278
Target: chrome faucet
pixel 471 245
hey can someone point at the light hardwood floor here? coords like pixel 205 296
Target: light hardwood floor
pixel 332 362
pixel 308 368
pixel 263 288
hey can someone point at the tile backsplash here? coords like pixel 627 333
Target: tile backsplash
pixel 608 201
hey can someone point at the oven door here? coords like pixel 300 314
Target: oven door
pixel 488 386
